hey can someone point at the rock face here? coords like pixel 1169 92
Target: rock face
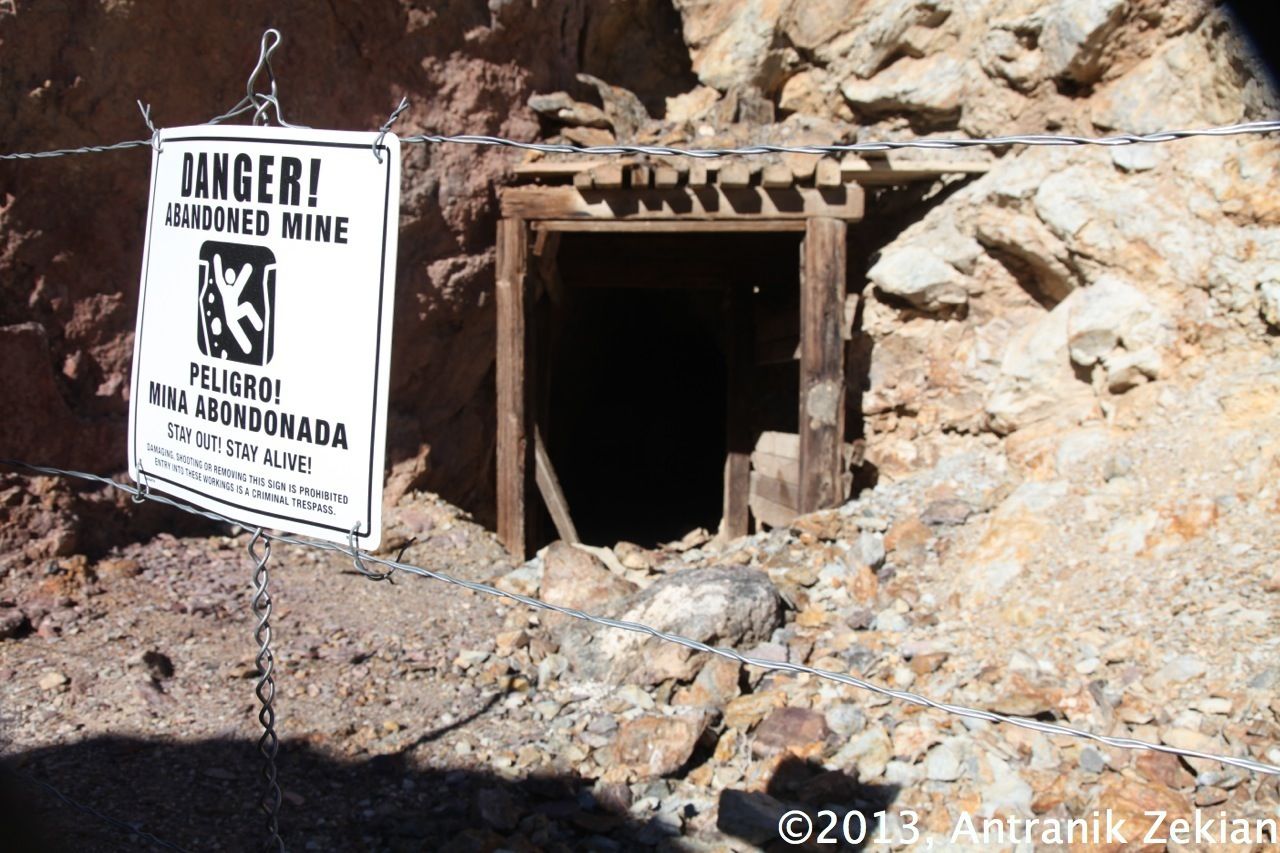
pixel 1039 294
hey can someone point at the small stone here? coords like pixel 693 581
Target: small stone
pixel 789 729
pixel 1092 761
pixel 635 696
pixel 158 665
pixel 497 809
pixel 846 719
pixel 949 512
pixel 53 680
pixel 745 711
pixel 1211 797
pixel 927 663
pixel 890 620
pixel 942 764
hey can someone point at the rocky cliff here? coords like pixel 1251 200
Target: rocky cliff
pixel 1046 293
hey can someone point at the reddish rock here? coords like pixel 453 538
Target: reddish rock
pixel 789 729
pixel 656 745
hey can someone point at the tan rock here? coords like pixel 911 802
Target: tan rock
pixel 573 578
pixel 717 684
pixel 1137 805
pixel 657 745
pixel 1163 769
pixel 745 711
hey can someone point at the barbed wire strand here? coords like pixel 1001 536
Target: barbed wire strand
pixel 731 654
pixel 134 831
pixel 1033 139
pixel 1269 126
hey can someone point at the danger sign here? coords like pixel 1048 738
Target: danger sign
pixel 262 351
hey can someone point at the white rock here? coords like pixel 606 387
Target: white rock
pixel 1269 293
pixel 1109 313
pixel 943 763
pixel 1074 34
pixel 919 276
pixel 1036 380
pixel 1137 158
pixel 933 86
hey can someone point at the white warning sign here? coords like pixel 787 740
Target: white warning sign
pixel 263 342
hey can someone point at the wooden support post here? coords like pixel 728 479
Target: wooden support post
pixel 552 494
pixel 739 432
pixel 514 423
pixel 822 287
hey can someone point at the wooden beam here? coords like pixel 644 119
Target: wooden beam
pixel 822 289
pixel 669 226
pixel 666 177
pixel 735 176
pixel 546 244
pixel 684 203
pixel 607 177
pixel 827 173
pixel 738 428
pixel 776 175
pixel 552 495
pixel 514 420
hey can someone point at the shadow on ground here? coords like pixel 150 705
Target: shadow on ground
pixel 203 795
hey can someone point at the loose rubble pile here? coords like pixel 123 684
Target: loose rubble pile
pixel 1119 577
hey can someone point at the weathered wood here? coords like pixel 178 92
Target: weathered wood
pixel 665 177
pixel 735 176
pixel 700 172
pixel 640 174
pixel 779 491
pixel 771 513
pixel 822 289
pixel 880 172
pixel 827 173
pixel 514 422
pixel 606 177
pixel 687 203
pixel 552 494
pixel 738 428
pixel 779 467
pixel 670 226
pixel 776 175
pixel 546 245
pixel 583 180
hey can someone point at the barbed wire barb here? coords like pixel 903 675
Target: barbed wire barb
pixel 639 628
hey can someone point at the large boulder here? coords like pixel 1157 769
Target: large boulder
pixel 721 606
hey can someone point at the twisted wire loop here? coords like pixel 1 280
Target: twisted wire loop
pixel 386 127
pixel 731 654
pixel 268 743
pixel 259 102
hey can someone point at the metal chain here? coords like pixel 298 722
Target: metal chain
pixel 731 654
pixel 1267 126
pixel 268 744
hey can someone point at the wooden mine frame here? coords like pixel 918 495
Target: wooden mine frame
pixel 640 197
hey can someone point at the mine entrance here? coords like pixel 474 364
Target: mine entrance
pixel 672 329
pixel 637 412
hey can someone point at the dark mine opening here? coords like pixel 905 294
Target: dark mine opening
pixel 637 400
